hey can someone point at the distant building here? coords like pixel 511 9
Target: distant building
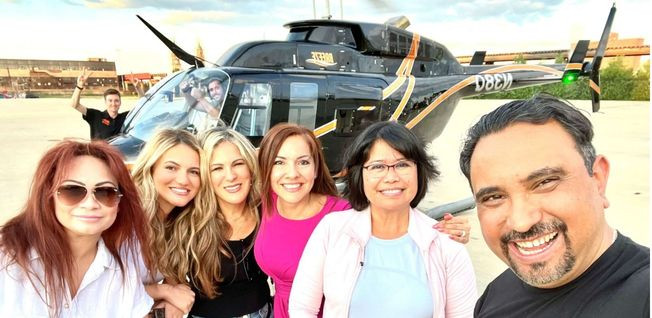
pixel 199 51
pixel 634 52
pixel 147 81
pixel 175 63
pixel 18 75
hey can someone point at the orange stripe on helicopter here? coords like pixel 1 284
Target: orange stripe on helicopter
pixel 573 66
pixel 326 128
pixel 405 69
pixel 410 56
pixel 391 88
pixel 404 100
pixel 464 83
pixel 471 79
pixel 594 86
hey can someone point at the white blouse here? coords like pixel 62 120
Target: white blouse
pixel 102 292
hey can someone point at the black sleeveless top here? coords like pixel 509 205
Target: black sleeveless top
pixel 244 288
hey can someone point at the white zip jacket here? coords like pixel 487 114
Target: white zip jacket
pixel 332 260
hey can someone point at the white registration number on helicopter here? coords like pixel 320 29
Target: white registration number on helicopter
pixel 493 82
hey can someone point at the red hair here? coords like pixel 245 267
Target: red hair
pixel 37 228
pixel 269 148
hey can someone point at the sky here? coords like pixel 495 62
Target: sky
pixel 79 29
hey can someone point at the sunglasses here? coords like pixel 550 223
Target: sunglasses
pixel 72 194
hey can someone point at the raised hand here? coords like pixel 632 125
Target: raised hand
pixel 83 77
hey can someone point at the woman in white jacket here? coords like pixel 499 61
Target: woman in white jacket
pixel 381 258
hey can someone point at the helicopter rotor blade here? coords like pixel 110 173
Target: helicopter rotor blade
pixel 176 50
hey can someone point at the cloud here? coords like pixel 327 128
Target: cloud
pixel 194 5
pixel 182 17
pixel 444 10
pixel 101 4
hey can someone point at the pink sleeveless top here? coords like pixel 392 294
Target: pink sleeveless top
pixel 280 243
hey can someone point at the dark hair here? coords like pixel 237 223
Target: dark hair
pixel 399 138
pixel 269 148
pixel 37 228
pixel 537 110
pixel 111 91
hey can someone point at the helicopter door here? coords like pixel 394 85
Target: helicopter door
pixel 357 105
pixel 253 112
pixel 303 104
pixel 354 103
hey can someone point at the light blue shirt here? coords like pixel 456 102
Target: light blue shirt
pixel 392 282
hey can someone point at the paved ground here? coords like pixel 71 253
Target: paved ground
pixel 30 126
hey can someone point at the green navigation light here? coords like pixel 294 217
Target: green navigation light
pixel 569 77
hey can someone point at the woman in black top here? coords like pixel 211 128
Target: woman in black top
pixel 240 287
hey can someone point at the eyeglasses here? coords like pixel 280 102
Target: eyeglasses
pixel 72 194
pixel 379 169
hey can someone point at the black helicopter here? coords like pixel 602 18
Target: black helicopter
pixel 335 77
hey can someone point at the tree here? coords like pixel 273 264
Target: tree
pixel 519 59
pixel 559 59
pixel 616 81
pixel 641 90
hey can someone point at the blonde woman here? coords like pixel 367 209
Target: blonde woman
pixel 167 174
pixel 230 171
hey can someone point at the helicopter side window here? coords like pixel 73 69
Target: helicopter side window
pixel 332 35
pixel 323 35
pixel 253 111
pixel 268 55
pixel 303 104
pixel 393 42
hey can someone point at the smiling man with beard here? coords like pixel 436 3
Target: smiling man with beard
pixel 541 196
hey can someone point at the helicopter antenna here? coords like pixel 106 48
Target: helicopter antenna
pixel 328 9
pixel 341 11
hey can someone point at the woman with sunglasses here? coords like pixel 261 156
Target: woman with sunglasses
pixel 167 175
pixel 239 287
pixel 382 258
pixel 74 249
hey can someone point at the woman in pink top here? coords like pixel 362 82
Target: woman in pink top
pixel 297 192
pixel 382 257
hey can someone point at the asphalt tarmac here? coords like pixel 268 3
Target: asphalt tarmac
pixel 30 126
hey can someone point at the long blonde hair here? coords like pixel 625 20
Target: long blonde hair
pixel 212 219
pixel 171 237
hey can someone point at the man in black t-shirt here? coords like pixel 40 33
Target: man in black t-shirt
pixel 103 124
pixel 540 190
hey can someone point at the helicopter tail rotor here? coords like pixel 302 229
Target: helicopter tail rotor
pixel 593 69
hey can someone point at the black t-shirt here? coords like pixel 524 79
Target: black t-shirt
pixel 617 284
pixel 102 125
pixel 243 289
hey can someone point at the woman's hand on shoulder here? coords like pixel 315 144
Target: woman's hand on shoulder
pixel 457 228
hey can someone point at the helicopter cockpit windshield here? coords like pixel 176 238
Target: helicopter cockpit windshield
pixel 192 102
